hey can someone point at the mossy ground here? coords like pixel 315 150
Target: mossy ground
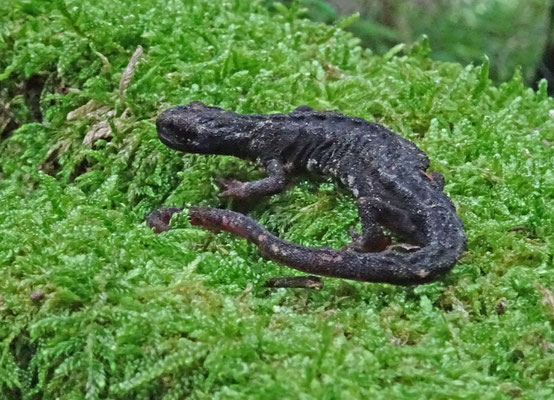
pixel 120 313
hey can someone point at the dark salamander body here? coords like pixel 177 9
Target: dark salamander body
pixel 385 173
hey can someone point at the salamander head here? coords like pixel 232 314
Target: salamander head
pixel 198 128
pixel 178 127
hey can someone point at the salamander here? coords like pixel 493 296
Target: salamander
pixel 385 173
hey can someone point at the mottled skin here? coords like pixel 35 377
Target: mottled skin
pixel 385 173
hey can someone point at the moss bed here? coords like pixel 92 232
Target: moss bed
pixel 94 305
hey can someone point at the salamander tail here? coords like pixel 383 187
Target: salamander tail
pixel 422 266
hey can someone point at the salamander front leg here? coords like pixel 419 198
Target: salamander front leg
pixel 274 183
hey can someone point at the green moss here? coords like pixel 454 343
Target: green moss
pixel 129 314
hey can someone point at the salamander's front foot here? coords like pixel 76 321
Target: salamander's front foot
pixel 437 178
pixel 232 188
pixel 158 220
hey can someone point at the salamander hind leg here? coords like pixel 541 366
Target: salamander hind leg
pixel 372 238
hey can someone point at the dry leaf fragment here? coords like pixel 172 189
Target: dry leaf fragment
pixel 100 130
pixel 83 111
pixel 547 297
pixel 128 73
pixel 101 113
pixel 50 165
pixel 107 66
pixel 125 114
pixel 8 121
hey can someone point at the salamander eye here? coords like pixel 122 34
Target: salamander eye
pixel 170 124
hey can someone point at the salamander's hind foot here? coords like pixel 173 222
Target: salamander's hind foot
pixel 302 282
pixel 158 220
pixel 365 244
pixel 232 188
pixel 404 247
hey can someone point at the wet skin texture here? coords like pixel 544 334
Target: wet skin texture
pixel 385 173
